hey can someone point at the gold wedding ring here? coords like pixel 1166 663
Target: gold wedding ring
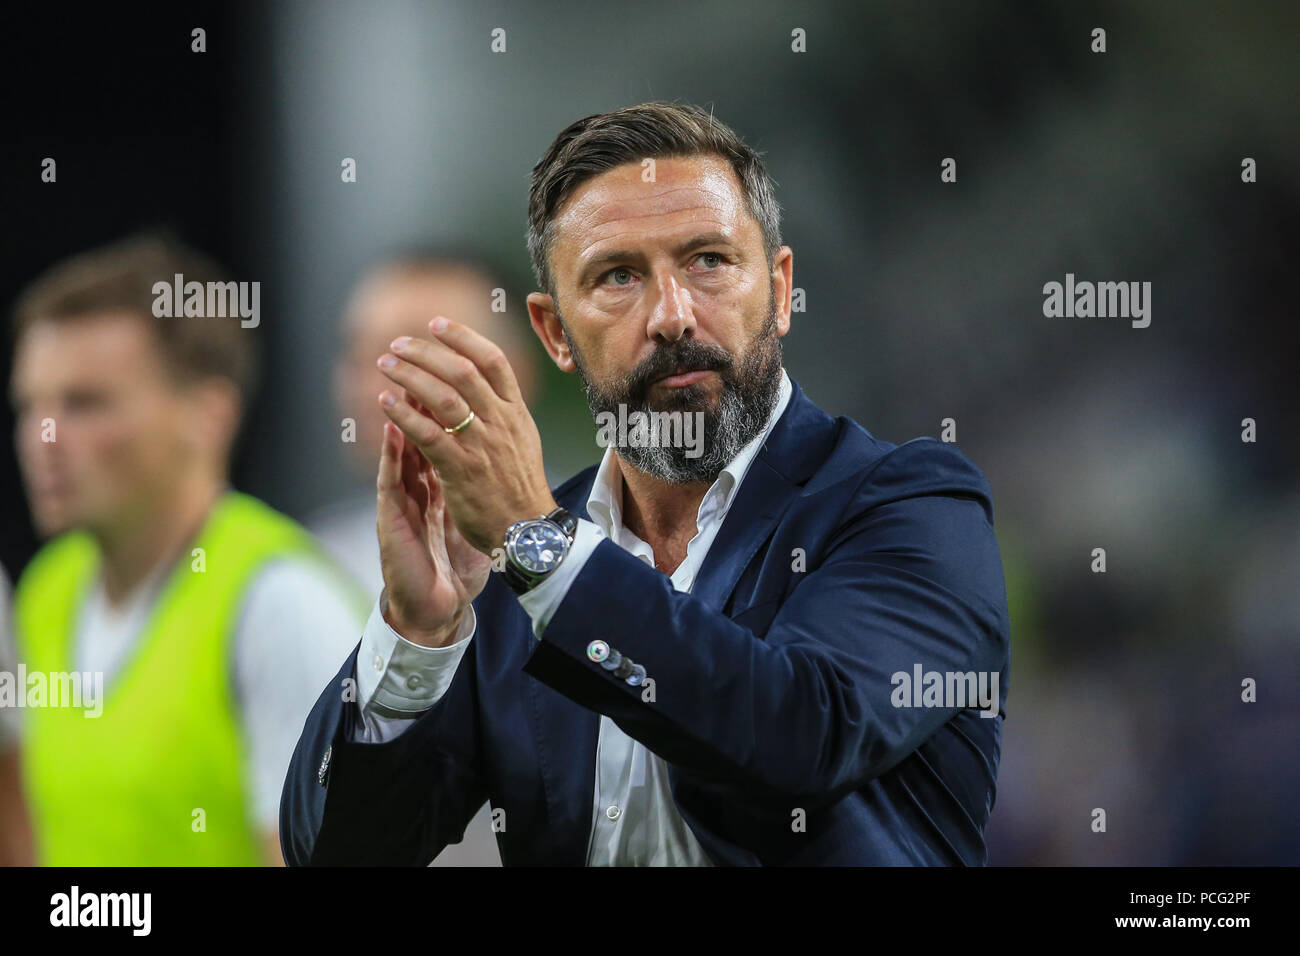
pixel 462 426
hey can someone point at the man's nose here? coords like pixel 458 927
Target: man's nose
pixel 672 315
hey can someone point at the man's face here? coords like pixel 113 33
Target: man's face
pixel 670 304
pixel 391 303
pixel 119 426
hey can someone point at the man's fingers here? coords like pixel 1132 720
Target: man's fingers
pixel 415 403
pixel 412 479
pixel 430 395
pixel 420 430
pixel 486 355
pixel 392 495
pixel 430 476
pixel 395 485
pixel 445 382
pixel 390 475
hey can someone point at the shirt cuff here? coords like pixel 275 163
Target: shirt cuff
pixel 543 601
pixel 396 678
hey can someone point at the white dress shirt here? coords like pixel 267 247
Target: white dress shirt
pixel 634 817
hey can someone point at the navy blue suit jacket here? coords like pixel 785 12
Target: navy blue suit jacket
pixel 842 561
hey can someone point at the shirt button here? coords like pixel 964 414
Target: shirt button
pixel 413 682
pixel 613 813
pixel 598 651
pixel 379 663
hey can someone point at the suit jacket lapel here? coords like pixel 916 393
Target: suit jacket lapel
pixel 761 500
pixel 795 447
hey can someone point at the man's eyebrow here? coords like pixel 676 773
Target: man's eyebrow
pixel 594 264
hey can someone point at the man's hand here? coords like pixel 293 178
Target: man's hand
pixel 430 571
pixel 490 472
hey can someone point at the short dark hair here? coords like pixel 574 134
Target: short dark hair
pixel 597 143
pixel 120 277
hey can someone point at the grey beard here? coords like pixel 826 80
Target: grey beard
pixel 748 396
pixel 726 432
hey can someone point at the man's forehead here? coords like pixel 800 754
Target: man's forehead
pixel 96 346
pixel 397 284
pixel 392 295
pixel 95 330
pixel 684 191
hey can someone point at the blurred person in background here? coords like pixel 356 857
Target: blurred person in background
pixel 161 586
pixel 399 296
pixel 15 828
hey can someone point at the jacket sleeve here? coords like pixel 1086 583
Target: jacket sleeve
pixel 396 803
pixel 910 575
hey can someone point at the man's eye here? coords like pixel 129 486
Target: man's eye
pixel 620 276
pixel 706 256
pixel 87 402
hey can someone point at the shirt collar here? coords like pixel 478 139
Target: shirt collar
pixel 605 503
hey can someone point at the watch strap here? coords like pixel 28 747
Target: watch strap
pixel 514 579
pixel 567 521
pixel 519 582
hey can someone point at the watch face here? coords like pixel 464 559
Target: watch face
pixel 538 547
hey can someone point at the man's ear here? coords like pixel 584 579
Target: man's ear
pixel 547 326
pixel 783 287
pixel 214 405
